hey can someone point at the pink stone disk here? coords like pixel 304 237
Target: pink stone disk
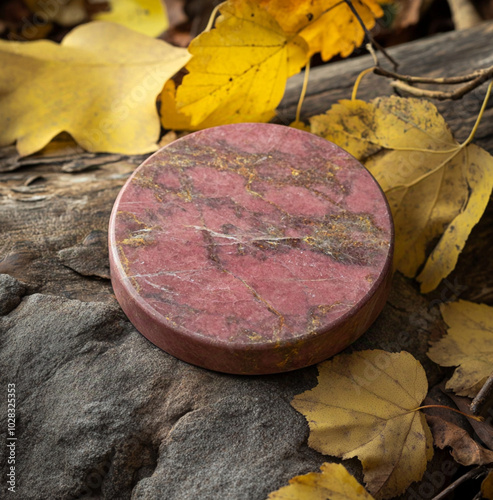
pixel 251 249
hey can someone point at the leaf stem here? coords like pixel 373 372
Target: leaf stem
pixel 468 415
pixel 454 152
pixel 303 90
pixel 478 120
pixel 212 17
pixel 430 172
pixel 358 81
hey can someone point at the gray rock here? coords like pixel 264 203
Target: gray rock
pixel 100 409
pixel 239 448
pixel 102 413
pixel 11 293
pixel 90 258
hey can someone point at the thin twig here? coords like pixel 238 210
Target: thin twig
pixel 478 495
pixel 441 96
pixel 484 399
pixel 487 72
pixel 404 82
pixel 370 37
pixel 451 487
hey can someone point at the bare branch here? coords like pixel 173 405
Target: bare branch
pixel 404 82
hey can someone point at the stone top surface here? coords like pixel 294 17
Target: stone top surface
pixel 247 235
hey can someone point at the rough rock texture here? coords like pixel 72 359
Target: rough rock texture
pixel 89 258
pixel 102 413
pixel 11 292
pixel 102 400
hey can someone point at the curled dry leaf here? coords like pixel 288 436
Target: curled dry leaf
pixel 365 406
pixel 333 482
pixel 468 345
pixel 436 188
pixel 484 429
pixel 465 449
pixel 100 85
pixel 239 69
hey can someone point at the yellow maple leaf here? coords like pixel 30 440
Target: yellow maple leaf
pixel 365 406
pixel 328 26
pixel 144 16
pixel 436 187
pixel 467 345
pixel 333 482
pixel 100 85
pixel 241 67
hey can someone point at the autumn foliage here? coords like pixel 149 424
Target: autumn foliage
pixel 112 88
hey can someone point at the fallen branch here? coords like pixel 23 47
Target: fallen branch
pixel 405 82
pixel 484 399
pixel 473 473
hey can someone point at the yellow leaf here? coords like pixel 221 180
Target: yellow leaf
pixel 435 187
pixel 333 482
pixel 350 125
pixel 300 125
pixel 328 26
pixel 363 406
pixel 444 256
pixel 172 119
pixel 144 16
pixel 240 67
pixel 100 85
pixel 467 345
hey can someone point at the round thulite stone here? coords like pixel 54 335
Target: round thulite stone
pixel 251 248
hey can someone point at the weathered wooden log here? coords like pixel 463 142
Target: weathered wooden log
pixel 101 413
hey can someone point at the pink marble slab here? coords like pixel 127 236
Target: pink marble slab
pixel 251 249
